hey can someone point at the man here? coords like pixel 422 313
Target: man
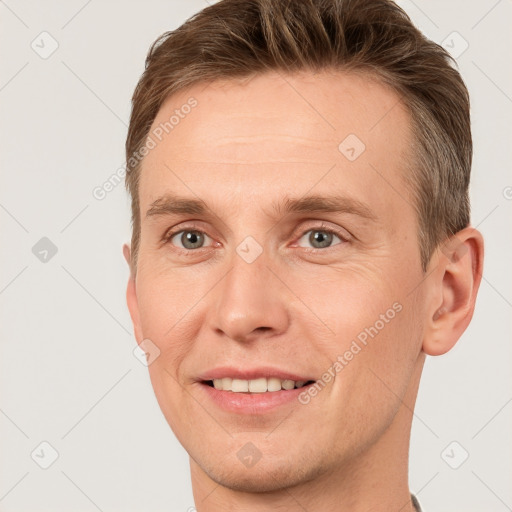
pixel 299 177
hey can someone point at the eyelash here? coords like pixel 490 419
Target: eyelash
pixel 322 227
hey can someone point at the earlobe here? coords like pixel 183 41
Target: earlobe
pixel 131 296
pixel 457 277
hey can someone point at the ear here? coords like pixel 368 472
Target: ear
pixel 457 273
pixel 131 296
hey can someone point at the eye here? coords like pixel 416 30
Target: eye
pixel 319 238
pixel 189 239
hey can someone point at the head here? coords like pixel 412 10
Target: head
pixel 299 178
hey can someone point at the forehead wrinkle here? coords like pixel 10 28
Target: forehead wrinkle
pixel 253 161
pixel 257 149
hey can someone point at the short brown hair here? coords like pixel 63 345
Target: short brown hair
pixel 240 38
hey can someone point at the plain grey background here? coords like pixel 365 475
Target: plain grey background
pixel 68 374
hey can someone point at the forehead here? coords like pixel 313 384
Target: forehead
pixel 250 140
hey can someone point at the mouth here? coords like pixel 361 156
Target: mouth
pixel 253 391
pixel 258 385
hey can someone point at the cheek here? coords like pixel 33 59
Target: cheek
pixel 350 304
pixel 166 316
pixel 167 306
pixel 375 333
pixel 166 297
pixel 376 361
pixel 379 358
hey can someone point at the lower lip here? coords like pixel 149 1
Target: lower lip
pixel 252 403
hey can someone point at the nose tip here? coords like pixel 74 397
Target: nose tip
pixel 249 304
pixel 242 329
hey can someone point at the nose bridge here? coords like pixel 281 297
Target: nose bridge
pixel 250 300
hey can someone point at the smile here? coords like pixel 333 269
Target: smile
pixel 258 385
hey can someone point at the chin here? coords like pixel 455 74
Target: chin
pixel 265 476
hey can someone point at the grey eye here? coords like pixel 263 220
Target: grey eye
pixel 319 238
pixel 190 239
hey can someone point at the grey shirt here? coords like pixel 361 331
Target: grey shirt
pixel 415 503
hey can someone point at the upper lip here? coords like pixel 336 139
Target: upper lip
pixel 251 373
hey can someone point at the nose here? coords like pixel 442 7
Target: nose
pixel 251 301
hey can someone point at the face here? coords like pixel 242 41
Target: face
pixel 278 274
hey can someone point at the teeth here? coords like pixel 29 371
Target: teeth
pixel 240 386
pixel 273 384
pixel 260 385
pixel 226 384
pixel 288 384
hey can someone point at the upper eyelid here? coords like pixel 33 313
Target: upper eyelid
pixel 173 231
pixel 324 230
pixel 340 232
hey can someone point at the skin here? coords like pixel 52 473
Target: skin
pixel 246 145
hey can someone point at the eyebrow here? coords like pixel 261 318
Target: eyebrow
pixel 328 204
pixel 175 205
pixel 170 204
